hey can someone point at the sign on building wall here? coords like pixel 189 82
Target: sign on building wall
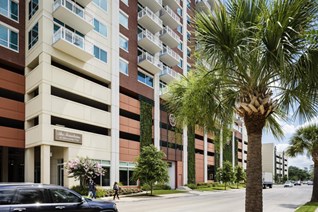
pixel 65 136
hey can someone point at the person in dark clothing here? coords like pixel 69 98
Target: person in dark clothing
pixel 116 190
pixel 91 189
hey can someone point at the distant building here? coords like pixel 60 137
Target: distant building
pixel 274 162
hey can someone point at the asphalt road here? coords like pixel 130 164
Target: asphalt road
pixel 277 199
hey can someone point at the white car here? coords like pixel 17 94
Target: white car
pixel 288 184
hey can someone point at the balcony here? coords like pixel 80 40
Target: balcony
pixel 168 75
pixel 173 4
pixel 203 5
pixel 169 57
pixel 149 63
pixel 150 21
pixel 169 37
pixel 163 93
pixel 73 15
pixel 169 18
pixel 84 3
pixel 73 44
pixel 149 42
pixel 154 5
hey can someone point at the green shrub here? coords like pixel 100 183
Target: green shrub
pixel 161 187
pixel 81 190
pixel 100 192
pixel 145 187
pixel 192 186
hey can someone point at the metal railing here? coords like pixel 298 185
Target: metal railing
pixel 74 8
pixel 169 71
pixel 148 12
pixel 150 36
pixel 74 39
pixel 169 31
pixel 168 10
pixel 169 51
pixel 150 58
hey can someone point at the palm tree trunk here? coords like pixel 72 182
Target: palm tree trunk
pixel 314 196
pixel 254 196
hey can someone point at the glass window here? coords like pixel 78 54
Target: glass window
pixel 145 79
pixel 101 3
pixel 179 29
pixel 29 196
pixel 99 27
pixel 125 177
pixel 100 54
pixel 9 9
pixel 33 35
pixel 33 7
pixel 123 66
pixel 59 195
pixel 180 46
pixel 123 19
pixel 179 11
pixel 123 43
pixel 8 38
pixel 181 63
pixel 6 196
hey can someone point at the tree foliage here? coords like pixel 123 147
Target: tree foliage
pixel 83 169
pixel 239 175
pixel 257 59
pixel 150 167
pixel 225 174
pixel 295 173
pixel 305 140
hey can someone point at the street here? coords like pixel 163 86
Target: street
pixel 276 199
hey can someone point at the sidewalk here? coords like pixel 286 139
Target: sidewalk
pixel 138 197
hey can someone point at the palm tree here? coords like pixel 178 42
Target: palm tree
pixel 255 59
pixel 306 140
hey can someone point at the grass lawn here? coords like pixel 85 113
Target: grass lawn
pixel 308 207
pixel 220 187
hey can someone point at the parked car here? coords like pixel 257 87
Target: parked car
pixel 41 197
pixel 309 182
pixel 288 184
pixel 297 183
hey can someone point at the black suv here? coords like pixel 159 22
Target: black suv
pixel 41 197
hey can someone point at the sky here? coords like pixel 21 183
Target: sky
pixel 289 129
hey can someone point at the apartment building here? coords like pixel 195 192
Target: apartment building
pixel 87 78
pixel 12 90
pixel 274 162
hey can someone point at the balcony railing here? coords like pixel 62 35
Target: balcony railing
pixel 168 71
pixel 169 37
pixel 153 64
pixel 73 15
pixel 154 5
pixel 153 22
pixel 74 39
pixel 151 42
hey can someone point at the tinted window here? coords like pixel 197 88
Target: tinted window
pixel 6 196
pixel 29 196
pixel 62 195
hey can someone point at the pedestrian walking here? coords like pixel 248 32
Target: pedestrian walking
pixel 91 189
pixel 116 190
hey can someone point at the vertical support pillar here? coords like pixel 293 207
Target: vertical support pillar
pixel 4 164
pixel 114 168
pixel 45 164
pixel 221 146
pixel 29 165
pixel 185 155
pixel 233 149
pixel 156 111
pixel 205 156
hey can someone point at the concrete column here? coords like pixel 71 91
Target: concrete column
pixel 221 147
pixel 233 148
pixel 45 164
pixel 185 155
pixel 4 164
pixel 29 165
pixel 205 156
pixel 114 168
pixel 157 111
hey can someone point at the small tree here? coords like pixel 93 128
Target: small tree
pixel 239 175
pixel 150 167
pixel 83 169
pixel 226 173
